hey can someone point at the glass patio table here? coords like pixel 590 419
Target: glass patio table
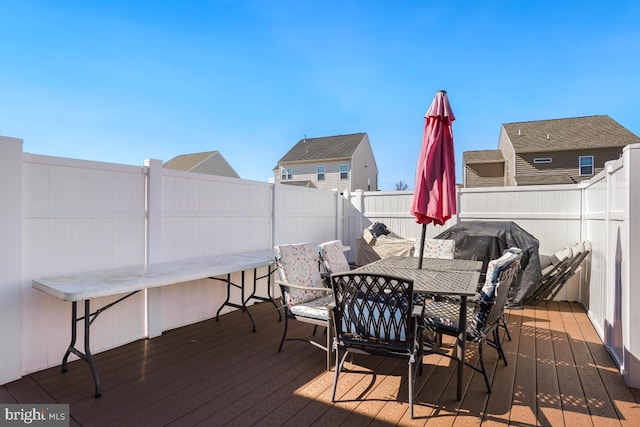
pixel 457 277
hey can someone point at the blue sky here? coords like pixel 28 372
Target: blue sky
pixel 124 81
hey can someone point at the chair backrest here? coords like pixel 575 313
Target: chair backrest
pixel 333 259
pixel 561 255
pixel 580 252
pixel 492 298
pixel 298 264
pixel 436 248
pixel 373 309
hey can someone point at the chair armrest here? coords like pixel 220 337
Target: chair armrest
pixel 303 288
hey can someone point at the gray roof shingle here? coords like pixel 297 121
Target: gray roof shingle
pixel 568 134
pixel 186 162
pixel 545 179
pixel 483 156
pixel 323 148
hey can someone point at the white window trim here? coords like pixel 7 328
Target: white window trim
pixel 286 174
pixel 323 173
pixel 580 166
pixel 346 172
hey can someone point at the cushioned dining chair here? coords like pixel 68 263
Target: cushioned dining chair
pixel 304 295
pixel 445 249
pixel 484 315
pixel 332 257
pixel 436 248
pixel 375 315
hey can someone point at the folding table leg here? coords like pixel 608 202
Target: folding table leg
pixel 242 306
pixel 87 356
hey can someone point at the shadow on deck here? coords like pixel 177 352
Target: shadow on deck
pixel 220 373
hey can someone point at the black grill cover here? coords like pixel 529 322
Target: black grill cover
pixel 485 240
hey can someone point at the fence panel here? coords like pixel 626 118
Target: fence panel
pixel 304 214
pixel 552 215
pixel 204 215
pixel 78 216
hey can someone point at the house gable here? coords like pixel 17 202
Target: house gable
pixel 334 162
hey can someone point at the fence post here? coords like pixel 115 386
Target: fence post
pixel 358 202
pixel 153 248
pixel 276 214
pixel 630 312
pixel 11 259
pixel 339 215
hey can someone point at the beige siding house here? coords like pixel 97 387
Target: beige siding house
pixel 342 162
pixel 210 162
pixel 484 168
pixel 559 151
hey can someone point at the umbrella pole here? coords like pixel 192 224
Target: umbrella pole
pixel 424 232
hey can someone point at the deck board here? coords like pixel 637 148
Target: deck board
pixel 549 407
pixel 220 373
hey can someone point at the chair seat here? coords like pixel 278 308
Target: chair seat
pixel 315 309
pixel 445 315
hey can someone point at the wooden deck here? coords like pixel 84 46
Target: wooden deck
pixel 219 373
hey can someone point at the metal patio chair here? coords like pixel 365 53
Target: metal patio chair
pixel 375 315
pixel 485 315
pixel 445 249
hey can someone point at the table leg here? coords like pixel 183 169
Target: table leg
pixel 228 302
pixel 72 344
pixel 269 297
pixel 460 345
pixel 87 356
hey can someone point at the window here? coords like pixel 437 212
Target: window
pixel 286 173
pixel 344 171
pixel 542 160
pixel 320 173
pixel 586 165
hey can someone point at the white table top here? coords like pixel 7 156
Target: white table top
pixel 94 284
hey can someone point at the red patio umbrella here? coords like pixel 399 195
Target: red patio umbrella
pixel 434 197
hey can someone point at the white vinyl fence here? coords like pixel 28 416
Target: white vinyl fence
pixel 64 215
pixel 61 216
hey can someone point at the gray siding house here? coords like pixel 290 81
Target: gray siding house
pixel 559 151
pixel 343 162
pixel 210 162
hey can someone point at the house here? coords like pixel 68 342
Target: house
pixel 343 162
pixel 558 151
pixel 210 162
